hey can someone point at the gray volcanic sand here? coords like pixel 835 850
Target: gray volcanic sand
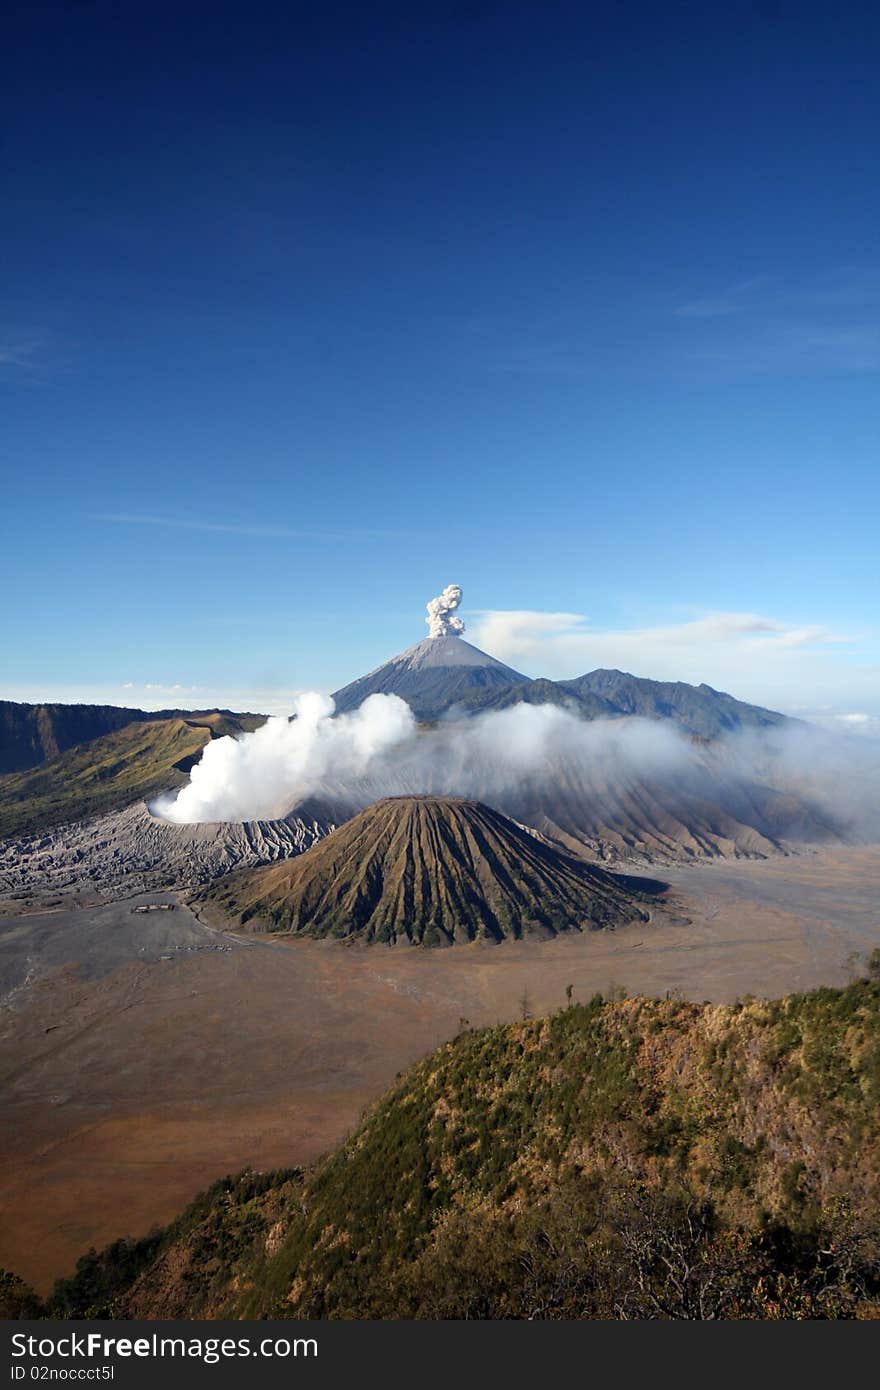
pixel 98 939
pixel 131 1081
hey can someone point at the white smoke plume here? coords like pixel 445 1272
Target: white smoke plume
pixel 509 757
pixel 440 619
pixel 378 750
pixel 258 776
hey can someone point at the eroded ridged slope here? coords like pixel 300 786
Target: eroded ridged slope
pixel 431 870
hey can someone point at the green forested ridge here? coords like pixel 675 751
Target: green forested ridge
pixel 33 734
pixel 634 1158
pixel 223 1231
pixel 141 759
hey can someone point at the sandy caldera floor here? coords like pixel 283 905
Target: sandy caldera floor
pixel 144 1055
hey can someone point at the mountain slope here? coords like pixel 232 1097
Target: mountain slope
pixel 611 805
pixel 624 815
pixel 143 758
pixel 35 734
pixel 140 760
pixel 541 692
pixel 432 870
pixel 445 672
pixel 642 1158
pixel 698 709
pixel 432 676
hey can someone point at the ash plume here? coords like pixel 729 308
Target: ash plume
pixel 441 620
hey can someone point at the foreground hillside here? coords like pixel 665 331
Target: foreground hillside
pixel 432 870
pixel 635 1158
pixel 141 759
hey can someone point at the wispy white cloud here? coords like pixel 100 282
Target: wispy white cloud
pixel 707 309
pixel 762 323
pixel 845 287
pixel 772 324
pixel 736 299
pixel 22 355
pixel 858 723
pixel 230 528
pixel 177 689
pixel 155 695
pixel 750 654
pixel 524 632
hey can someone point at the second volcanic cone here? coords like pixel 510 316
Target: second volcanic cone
pixel 429 870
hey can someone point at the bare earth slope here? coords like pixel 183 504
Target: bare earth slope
pixel 625 816
pixel 432 870
pixel 127 1092
pixel 609 810
pixel 130 850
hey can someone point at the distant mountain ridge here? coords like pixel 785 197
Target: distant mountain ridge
pixel 446 673
pixel 34 734
pixel 436 676
pixel 112 756
pixel 698 710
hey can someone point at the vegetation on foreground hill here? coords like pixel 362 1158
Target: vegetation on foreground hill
pixel 140 760
pixel 628 1159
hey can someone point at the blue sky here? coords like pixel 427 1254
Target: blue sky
pixel 309 311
